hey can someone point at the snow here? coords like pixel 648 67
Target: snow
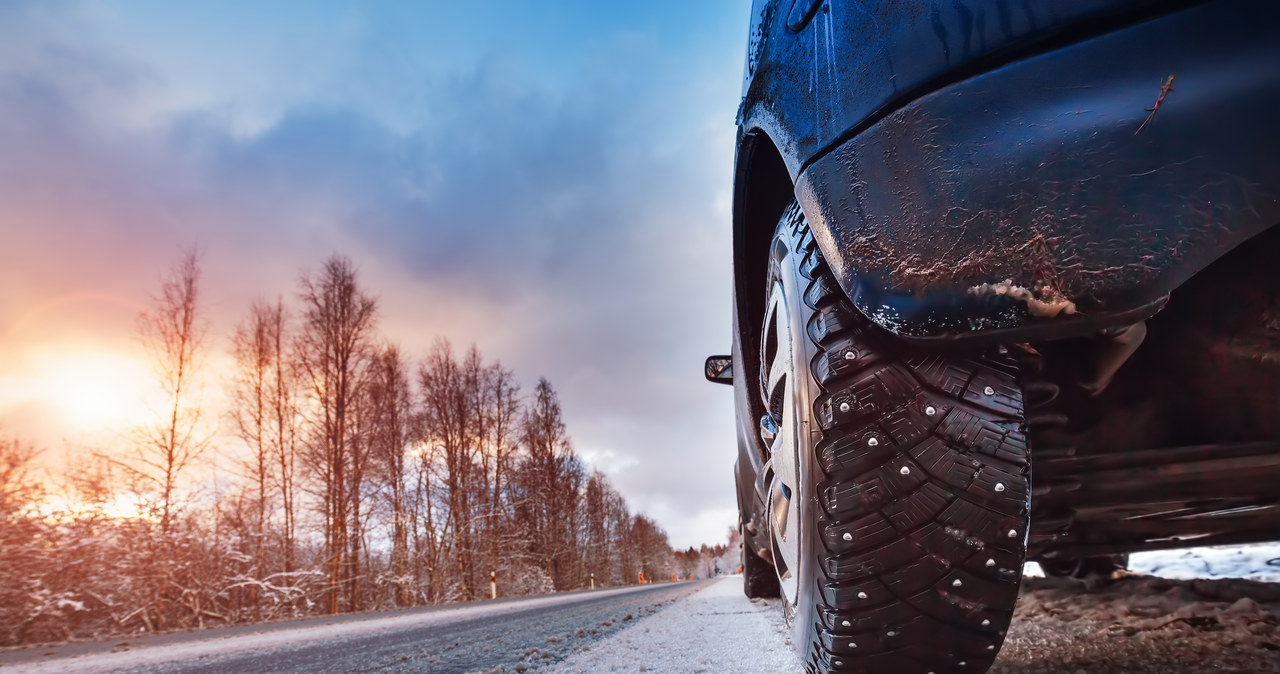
pixel 293 638
pixel 716 629
pixel 1255 562
pixel 1259 562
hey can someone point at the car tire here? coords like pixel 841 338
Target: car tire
pixel 759 579
pixel 898 480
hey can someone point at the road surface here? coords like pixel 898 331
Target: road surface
pixel 1138 625
pixel 503 636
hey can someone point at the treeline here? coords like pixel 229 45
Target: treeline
pixel 709 561
pixel 358 479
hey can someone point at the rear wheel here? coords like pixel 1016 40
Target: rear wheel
pixel 1082 568
pixel 897 477
pixel 759 580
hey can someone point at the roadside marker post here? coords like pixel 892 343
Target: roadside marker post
pixel 493 584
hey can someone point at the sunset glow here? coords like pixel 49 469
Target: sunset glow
pixel 121 507
pixel 83 390
pixel 477 185
pixel 94 390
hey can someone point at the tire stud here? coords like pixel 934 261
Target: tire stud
pixel 986 623
pixel 862 595
pixel 838 663
pixel 847 536
pixel 956 583
pixel 930 411
pixel 872 441
pixel 991 647
pixel 852 645
pixel 999 486
pixel 989 391
pixel 845 623
pixel 991 562
pixel 844 407
pixel 1013 533
pixel 905 470
pixel 891 633
pixel 850 355
pixel 962 663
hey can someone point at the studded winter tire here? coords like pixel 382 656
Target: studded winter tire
pixel 898 498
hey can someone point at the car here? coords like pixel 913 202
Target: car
pixel 1004 289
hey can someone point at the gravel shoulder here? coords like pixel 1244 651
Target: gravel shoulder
pixel 1144 624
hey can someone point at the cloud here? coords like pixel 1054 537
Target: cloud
pixel 574 228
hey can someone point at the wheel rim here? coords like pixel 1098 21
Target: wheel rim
pixel 780 428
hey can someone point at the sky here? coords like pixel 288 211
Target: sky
pixel 550 181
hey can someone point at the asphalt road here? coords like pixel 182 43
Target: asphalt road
pixel 502 636
pixel 1137 625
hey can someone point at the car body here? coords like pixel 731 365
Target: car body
pixel 1094 181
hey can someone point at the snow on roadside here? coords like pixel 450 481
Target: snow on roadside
pixel 271 639
pixel 1259 562
pixel 716 629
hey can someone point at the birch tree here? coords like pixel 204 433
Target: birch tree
pixel 173 333
pixel 338 320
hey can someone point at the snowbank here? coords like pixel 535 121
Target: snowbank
pixel 1259 562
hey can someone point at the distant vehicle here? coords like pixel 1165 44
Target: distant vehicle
pixel 1006 287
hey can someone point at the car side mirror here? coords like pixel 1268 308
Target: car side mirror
pixel 719 369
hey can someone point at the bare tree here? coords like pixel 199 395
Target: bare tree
pixel 499 415
pixel 264 414
pixel 551 477
pixel 394 432
pixel 173 333
pixel 250 392
pixel 462 474
pixel 18 489
pixel 337 326
pixel 448 422
pixel 653 553
pixel 426 536
pixel 596 541
pixel 285 413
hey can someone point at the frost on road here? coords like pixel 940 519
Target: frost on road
pixel 716 629
pixel 1210 613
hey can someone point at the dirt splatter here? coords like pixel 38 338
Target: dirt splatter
pixel 1044 301
pixel 1031 263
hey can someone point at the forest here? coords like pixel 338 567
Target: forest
pixel 350 477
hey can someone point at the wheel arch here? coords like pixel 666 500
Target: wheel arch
pixel 762 190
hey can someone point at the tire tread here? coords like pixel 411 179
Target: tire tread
pixel 921 503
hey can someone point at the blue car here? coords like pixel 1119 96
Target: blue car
pixel 1006 288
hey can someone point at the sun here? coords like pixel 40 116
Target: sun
pixel 100 390
pixel 87 391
